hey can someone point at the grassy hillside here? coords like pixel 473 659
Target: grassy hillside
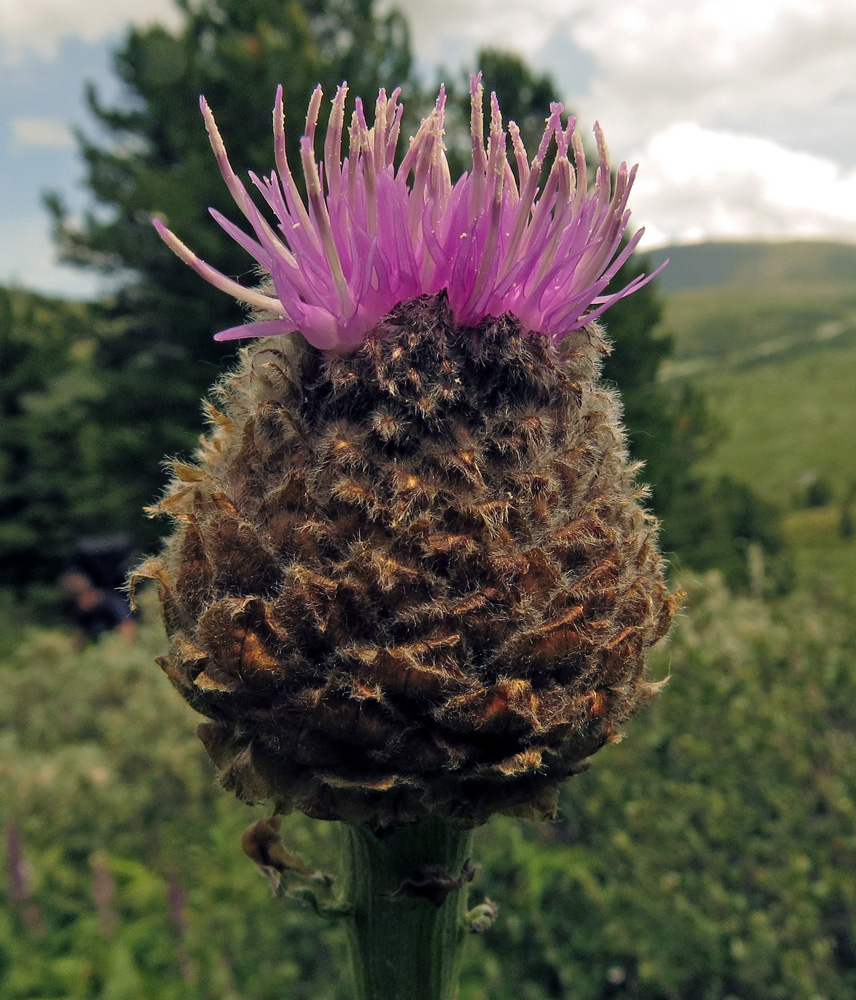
pixel 753 264
pixel 777 358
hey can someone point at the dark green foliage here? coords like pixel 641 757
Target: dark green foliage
pixel 846 522
pixel 158 358
pixel 134 884
pixel 708 857
pixel 707 521
pixel 818 492
pixel 669 430
pixel 49 461
pixel 715 522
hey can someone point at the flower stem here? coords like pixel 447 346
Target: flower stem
pixel 403 945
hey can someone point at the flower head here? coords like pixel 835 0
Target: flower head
pixel 411 574
pixel 372 235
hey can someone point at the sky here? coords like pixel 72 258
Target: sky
pixel 740 113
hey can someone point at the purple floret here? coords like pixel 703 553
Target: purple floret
pixel 371 236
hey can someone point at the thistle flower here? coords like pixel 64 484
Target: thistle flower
pixel 411 573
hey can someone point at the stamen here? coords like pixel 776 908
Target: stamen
pixel 322 221
pixel 368 139
pixel 495 175
pixel 214 277
pixel 333 142
pixel 477 133
pixel 295 202
pixel 236 188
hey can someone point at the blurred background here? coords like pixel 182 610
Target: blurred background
pixel 710 857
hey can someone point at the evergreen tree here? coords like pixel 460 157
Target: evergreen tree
pixel 49 456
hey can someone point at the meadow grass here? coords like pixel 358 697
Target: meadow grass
pixel 778 365
pixel 788 420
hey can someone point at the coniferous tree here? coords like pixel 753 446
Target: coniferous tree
pixel 49 471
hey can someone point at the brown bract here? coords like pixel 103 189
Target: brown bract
pixel 413 579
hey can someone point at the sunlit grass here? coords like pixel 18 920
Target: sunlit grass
pixel 778 364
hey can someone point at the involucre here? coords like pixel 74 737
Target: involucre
pixel 412 573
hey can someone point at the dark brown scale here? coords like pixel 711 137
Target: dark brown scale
pixel 412 579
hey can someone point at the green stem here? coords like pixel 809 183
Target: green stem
pixel 405 948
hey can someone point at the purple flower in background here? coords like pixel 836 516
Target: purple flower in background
pixel 373 236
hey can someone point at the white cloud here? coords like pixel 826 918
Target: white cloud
pixel 30 27
pixel 745 64
pixel 445 31
pixel 43 133
pixel 717 62
pixel 696 183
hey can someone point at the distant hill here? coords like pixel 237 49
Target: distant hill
pixel 758 264
pixel 768 332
